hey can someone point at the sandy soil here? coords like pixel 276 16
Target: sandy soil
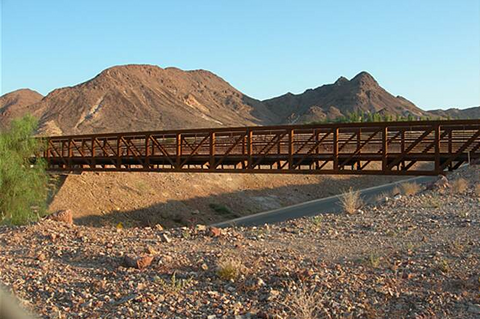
pixel 185 198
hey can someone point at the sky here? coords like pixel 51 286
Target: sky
pixel 426 51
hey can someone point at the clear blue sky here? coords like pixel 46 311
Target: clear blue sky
pixel 427 51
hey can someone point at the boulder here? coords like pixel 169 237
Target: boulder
pixel 65 216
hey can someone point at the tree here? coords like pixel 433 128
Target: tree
pixel 23 186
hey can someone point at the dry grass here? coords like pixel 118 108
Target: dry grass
pixel 351 201
pixel 458 186
pixel 411 189
pixel 229 268
pixel 305 303
pixel 477 190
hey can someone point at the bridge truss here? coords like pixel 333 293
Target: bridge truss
pixel 391 148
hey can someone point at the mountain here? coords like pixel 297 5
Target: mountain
pixel 360 94
pixel 454 113
pixel 146 97
pixel 16 104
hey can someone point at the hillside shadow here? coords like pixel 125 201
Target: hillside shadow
pixel 221 207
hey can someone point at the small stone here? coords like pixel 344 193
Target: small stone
pixel 201 227
pixel 41 257
pixel 151 250
pixel 214 232
pixel 65 216
pixel 158 227
pixel 165 238
pixel 137 262
pixel 260 282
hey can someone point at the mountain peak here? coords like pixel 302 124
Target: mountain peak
pixel 341 80
pixel 364 79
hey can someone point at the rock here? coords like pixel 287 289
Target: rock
pixel 260 282
pixel 214 232
pixel 41 257
pixel 397 197
pixel 158 227
pixel 201 227
pixel 441 183
pixel 137 262
pixel 165 238
pixel 65 216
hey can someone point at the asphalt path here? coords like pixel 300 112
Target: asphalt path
pixel 330 204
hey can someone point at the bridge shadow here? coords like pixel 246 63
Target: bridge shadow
pixel 221 207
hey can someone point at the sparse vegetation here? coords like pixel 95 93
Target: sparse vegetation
pixel 433 201
pixel 373 260
pixel 410 189
pixel 174 284
pixel 458 186
pixel 351 201
pixel 229 268
pixel 443 265
pixel 23 186
pixel 317 220
pixel 367 117
pixel 221 209
pixel 304 303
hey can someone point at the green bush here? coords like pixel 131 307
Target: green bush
pixel 23 186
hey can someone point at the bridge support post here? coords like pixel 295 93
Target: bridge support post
pixel 437 149
pixel 385 149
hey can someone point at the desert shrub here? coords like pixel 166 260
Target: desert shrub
pixel 410 188
pixel 221 209
pixel 23 186
pixel 305 303
pixel 459 185
pixel 351 201
pixel 229 268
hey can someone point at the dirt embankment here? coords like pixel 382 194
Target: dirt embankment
pixel 185 198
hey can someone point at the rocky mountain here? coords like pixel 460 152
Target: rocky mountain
pixel 360 94
pixel 454 113
pixel 146 97
pixel 16 104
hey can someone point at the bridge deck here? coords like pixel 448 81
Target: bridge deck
pixel 393 148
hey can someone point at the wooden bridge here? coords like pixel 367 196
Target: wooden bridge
pixel 391 148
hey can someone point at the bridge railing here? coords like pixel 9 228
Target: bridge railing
pixel 396 148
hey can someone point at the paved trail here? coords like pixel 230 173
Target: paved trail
pixel 324 205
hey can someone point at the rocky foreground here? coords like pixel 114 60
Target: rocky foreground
pixel 410 256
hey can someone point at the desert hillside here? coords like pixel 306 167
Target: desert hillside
pixel 327 102
pixel 146 97
pixel 16 103
pixel 454 113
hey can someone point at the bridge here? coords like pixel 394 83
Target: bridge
pixel 388 148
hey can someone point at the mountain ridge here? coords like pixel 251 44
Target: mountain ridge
pixel 137 97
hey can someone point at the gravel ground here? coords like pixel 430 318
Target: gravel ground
pixel 407 257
